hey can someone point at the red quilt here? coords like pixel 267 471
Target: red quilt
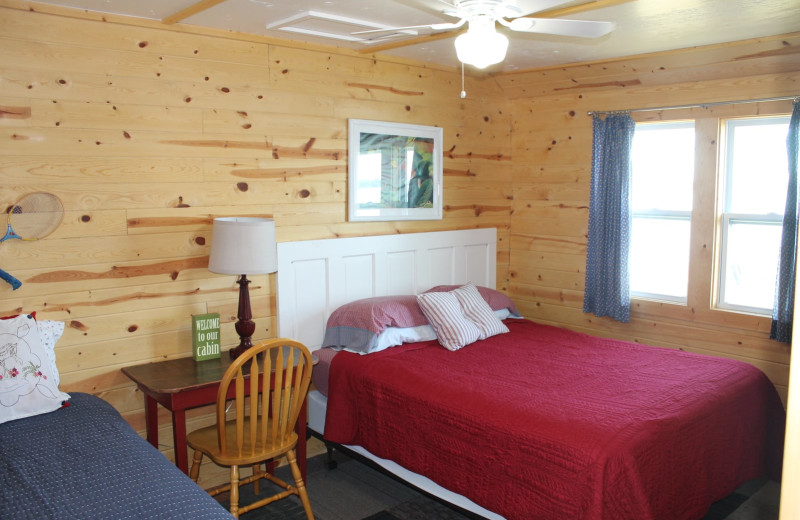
pixel 544 423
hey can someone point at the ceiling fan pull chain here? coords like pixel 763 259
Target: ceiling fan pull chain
pixel 463 92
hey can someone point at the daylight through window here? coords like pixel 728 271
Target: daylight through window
pixel 661 209
pixel 746 201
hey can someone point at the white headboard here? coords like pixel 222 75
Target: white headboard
pixel 317 276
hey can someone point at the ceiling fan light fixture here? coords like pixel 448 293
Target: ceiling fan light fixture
pixel 481 45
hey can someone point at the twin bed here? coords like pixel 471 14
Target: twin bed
pixel 84 461
pixel 537 422
pixel 73 456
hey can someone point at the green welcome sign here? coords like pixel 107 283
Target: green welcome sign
pixel 205 336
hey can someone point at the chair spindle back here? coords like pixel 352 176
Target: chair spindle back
pixel 267 405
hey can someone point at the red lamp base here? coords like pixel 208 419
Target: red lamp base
pixel 245 326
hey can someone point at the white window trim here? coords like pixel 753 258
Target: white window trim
pixel 730 126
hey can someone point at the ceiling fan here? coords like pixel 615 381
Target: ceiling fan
pixel 481 45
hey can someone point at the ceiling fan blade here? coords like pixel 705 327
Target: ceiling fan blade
pixel 527 7
pixel 434 26
pixel 590 5
pixel 410 28
pixel 579 28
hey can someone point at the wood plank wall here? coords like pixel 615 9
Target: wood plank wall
pixel 147 133
pixel 552 143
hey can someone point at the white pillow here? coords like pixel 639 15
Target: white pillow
pixel 393 336
pixel 50 332
pixel 502 314
pixel 27 385
pixel 478 311
pixel 453 329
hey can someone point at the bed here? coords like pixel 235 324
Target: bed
pixel 85 461
pixel 538 422
pixel 66 456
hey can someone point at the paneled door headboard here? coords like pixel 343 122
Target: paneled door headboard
pixel 317 276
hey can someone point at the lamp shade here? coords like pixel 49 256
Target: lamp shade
pixel 481 45
pixel 243 245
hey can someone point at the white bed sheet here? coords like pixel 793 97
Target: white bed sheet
pixel 317 405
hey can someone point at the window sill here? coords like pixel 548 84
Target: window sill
pixel 649 309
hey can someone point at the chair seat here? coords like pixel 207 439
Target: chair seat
pixel 205 441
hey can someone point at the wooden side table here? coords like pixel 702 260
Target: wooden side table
pixel 180 384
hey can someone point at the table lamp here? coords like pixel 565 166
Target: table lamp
pixel 242 245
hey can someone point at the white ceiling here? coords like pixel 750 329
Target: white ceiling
pixel 642 26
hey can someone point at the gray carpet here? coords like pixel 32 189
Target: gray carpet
pixel 355 491
pixel 383 515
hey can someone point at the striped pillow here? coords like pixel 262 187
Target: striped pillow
pixel 453 329
pixel 478 311
pixel 496 299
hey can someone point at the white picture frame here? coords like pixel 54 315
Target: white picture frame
pixel 394 171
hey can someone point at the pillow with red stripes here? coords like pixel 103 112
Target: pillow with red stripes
pixel 478 311
pixel 497 300
pixel 453 329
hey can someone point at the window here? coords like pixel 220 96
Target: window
pixel 730 210
pixel 662 160
pixel 756 176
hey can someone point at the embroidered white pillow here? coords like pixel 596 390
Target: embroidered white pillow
pixel 453 329
pixel 478 311
pixel 27 385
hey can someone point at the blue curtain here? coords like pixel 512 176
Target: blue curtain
pixel 607 290
pixel 784 291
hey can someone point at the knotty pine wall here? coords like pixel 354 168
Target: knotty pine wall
pixel 552 147
pixel 148 133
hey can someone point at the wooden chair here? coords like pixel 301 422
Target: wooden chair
pixel 262 428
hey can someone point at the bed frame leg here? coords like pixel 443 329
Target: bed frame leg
pixel 330 463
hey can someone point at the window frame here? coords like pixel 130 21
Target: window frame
pixel 704 247
pixel 727 217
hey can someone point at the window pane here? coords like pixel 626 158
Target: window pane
pixel 752 264
pixel 659 257
pixel 661 203
pixel 758 171
pixel 663 167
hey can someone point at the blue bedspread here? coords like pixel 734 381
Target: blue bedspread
pixel 85 462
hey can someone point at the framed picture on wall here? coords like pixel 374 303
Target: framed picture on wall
pixel 394 171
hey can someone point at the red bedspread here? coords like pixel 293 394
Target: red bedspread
pixel 544 423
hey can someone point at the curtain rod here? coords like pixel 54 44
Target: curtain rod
pixel 699 105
